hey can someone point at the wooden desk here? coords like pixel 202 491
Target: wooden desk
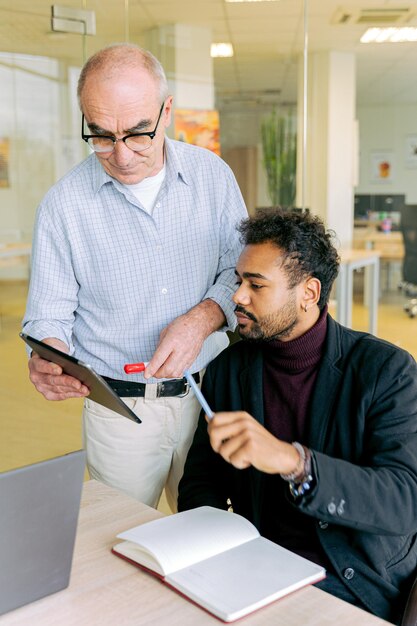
pixel 390 245
pixel 106 591
pixel 350 260
pixel 10 253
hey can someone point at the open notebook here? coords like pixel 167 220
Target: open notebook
pixel 218 560
pixel 38 522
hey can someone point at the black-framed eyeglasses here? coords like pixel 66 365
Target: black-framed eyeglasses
pixel 135 141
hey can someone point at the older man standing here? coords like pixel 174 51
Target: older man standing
pixel 133 259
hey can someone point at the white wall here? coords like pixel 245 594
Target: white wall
pixel 385 129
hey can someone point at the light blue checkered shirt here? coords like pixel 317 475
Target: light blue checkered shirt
pixel 107 277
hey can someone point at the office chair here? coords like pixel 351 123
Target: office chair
pixel 409 282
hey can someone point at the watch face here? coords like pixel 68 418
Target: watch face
pixel 299 489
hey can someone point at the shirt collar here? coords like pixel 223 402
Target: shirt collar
pixel 173 164
pixel 98 175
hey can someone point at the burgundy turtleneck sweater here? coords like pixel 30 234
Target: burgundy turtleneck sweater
pixel 289 373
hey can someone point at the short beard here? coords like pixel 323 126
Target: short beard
pixel 275 326
pixel 257 335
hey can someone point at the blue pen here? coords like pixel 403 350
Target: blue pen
pixel 198 394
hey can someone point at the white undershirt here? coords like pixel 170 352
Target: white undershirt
pixel 147 190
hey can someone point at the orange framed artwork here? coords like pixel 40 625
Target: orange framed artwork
pixel 4 162
pixel 382 167
pixel 198 127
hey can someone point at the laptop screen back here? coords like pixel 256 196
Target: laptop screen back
pixel 39 507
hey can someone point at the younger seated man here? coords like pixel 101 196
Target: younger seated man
pixel 314 437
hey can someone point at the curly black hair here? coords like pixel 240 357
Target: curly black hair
pixel 307 246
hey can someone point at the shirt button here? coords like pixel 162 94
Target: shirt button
pixel 158 204
pixel 349 573
pixel 323 525
pixel 164 290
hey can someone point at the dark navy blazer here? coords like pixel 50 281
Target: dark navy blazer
pixel 363 435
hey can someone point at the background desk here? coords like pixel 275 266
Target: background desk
pixel 14 250
pixel 390 245
pixel 391 248
pixel 350 260
pixel 14 253
pixel 106 591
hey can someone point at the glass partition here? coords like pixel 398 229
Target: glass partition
pixel 245 107
pixel 39 120
pixel 38 75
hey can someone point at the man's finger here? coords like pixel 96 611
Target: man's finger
pixel 53 394
pixel 44 367
pixel 219 431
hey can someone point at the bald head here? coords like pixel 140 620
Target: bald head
pixel 113 60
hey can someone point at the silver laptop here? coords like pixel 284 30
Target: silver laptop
pixel 39 507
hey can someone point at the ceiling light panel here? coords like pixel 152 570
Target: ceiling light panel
pixel 221 50
pixel 390 35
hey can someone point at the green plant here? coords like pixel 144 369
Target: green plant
pixel 279 145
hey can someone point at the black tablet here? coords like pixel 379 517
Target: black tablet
pixel 100 391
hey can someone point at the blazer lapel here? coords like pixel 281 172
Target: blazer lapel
pixel 326 388
pixel 251 385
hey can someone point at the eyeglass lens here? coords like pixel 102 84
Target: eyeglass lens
pixel 107 144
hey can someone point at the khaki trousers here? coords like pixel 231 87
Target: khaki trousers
pixel 141 459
